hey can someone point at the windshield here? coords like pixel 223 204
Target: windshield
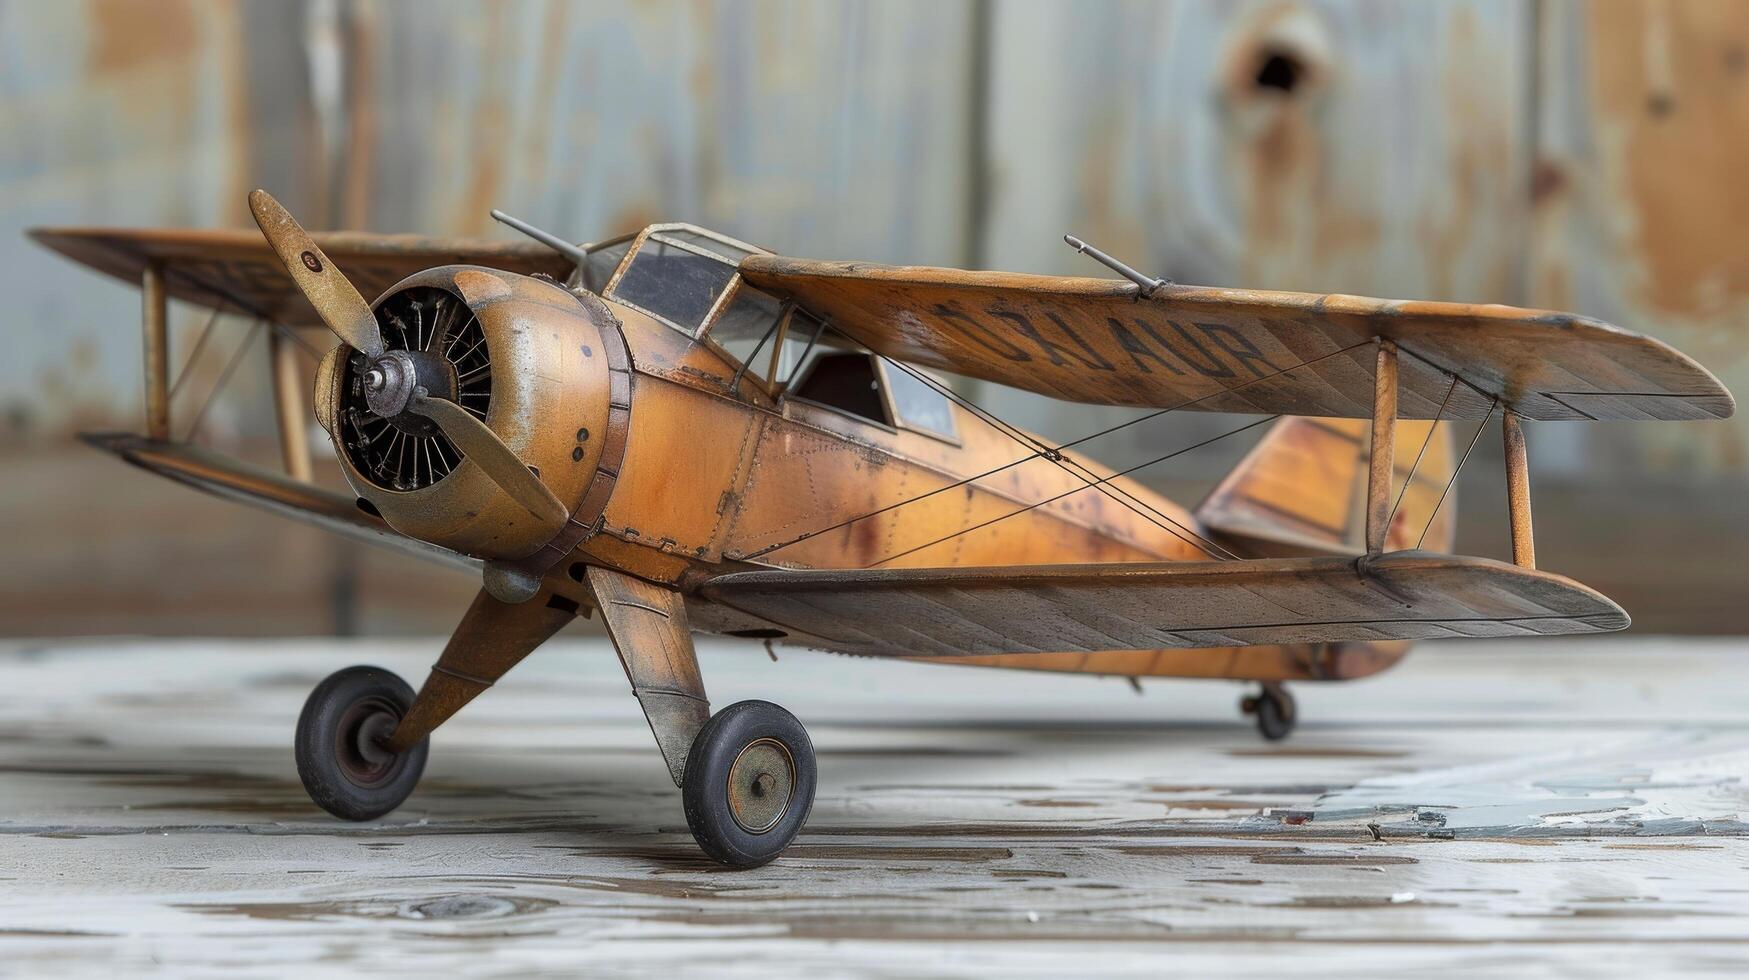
pixel 673 284
pixel 678 275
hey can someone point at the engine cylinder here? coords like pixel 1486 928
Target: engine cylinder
pixel 547 398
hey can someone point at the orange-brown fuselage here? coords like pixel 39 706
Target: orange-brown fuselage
pixel 714 474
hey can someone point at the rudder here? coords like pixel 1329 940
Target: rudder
pixel 1302 490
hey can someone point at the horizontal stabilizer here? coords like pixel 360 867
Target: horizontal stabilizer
pixel 946 612
pixel 223 476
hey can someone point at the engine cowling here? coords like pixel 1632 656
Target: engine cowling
pixel 525 356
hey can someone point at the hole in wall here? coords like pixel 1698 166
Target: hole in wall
pixel 1279 69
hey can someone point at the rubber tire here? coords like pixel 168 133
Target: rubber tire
pixel 704 788
pixel 1275 715
pixel 316 745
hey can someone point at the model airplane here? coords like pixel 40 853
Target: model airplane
pixel 683 432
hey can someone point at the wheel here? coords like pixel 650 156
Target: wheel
pixel 1274 709
pixel 749 783
pixel 339 749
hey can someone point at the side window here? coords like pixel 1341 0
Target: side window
pixel 602 261
pixel 918 405
pixel 747 327
pixel 804 336
pixel 847 381
pixel 671 283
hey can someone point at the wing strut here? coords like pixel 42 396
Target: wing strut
pixel 1518 491
pixel 1384 445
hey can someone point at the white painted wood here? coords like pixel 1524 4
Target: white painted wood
pixel 969 822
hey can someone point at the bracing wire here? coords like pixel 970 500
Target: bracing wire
pixel 1056 449
pixel 194 354
pixel 1459 468
pixel 1425 442
pixel 1052 499
pixel 1069 465
pixel 224 378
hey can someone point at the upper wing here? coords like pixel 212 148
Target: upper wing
pixel 1094 340
pixel 946 612
pixel 237 270
pixel 224 477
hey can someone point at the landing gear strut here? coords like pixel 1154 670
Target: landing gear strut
pixel 1273 707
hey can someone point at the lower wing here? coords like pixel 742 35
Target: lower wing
pixel 948 612
pixel 225 477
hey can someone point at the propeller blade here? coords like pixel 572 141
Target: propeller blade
pixel 334 297
pixel 483 446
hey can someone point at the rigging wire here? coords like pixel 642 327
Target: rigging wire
pixel 1456 470
pixel 1047 500
pixel 194 354
pixel 1425 442
pixel 1067 445
pixel 1071 466
pixel 224 378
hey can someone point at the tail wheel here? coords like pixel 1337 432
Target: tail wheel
pixel 749 783
pixel 1274 710
pixel 339 744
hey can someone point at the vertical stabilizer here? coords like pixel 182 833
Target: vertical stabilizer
pixel 1302 490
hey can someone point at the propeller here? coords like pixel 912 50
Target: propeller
pixel 482 445
pixel 336 300
pixel 391 380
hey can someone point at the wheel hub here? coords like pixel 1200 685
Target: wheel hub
pixel 761 784
pixel 359 749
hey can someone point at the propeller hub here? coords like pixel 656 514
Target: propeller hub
pixel 389 383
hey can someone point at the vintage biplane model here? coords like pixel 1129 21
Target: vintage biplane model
pixel 683 432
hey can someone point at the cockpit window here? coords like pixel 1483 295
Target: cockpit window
pixel 917 405
pixel 596 272
pixel 747 326
pixel 709 243
pixel 673 283
pixel 847 381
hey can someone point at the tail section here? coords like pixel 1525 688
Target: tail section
pixel 1302 490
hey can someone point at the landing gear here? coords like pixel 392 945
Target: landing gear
pixel 1274 709
pixel 749 783
pixel 341 758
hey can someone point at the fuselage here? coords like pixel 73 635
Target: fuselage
pixel 725 470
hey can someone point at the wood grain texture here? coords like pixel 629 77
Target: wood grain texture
pixel 1063 608
pixel 1567 813
pixel 237 271
pixel 1228 350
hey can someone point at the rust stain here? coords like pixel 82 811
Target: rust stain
pixel 1279 70
pixel 489 132
pixel 1481 162
pixel 1673 115
pixel 128 35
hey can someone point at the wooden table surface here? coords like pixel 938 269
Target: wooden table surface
pixel 1542 808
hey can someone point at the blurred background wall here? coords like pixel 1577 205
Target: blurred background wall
pixel 1553 153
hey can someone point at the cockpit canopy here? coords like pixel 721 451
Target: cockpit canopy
pixel 687 278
